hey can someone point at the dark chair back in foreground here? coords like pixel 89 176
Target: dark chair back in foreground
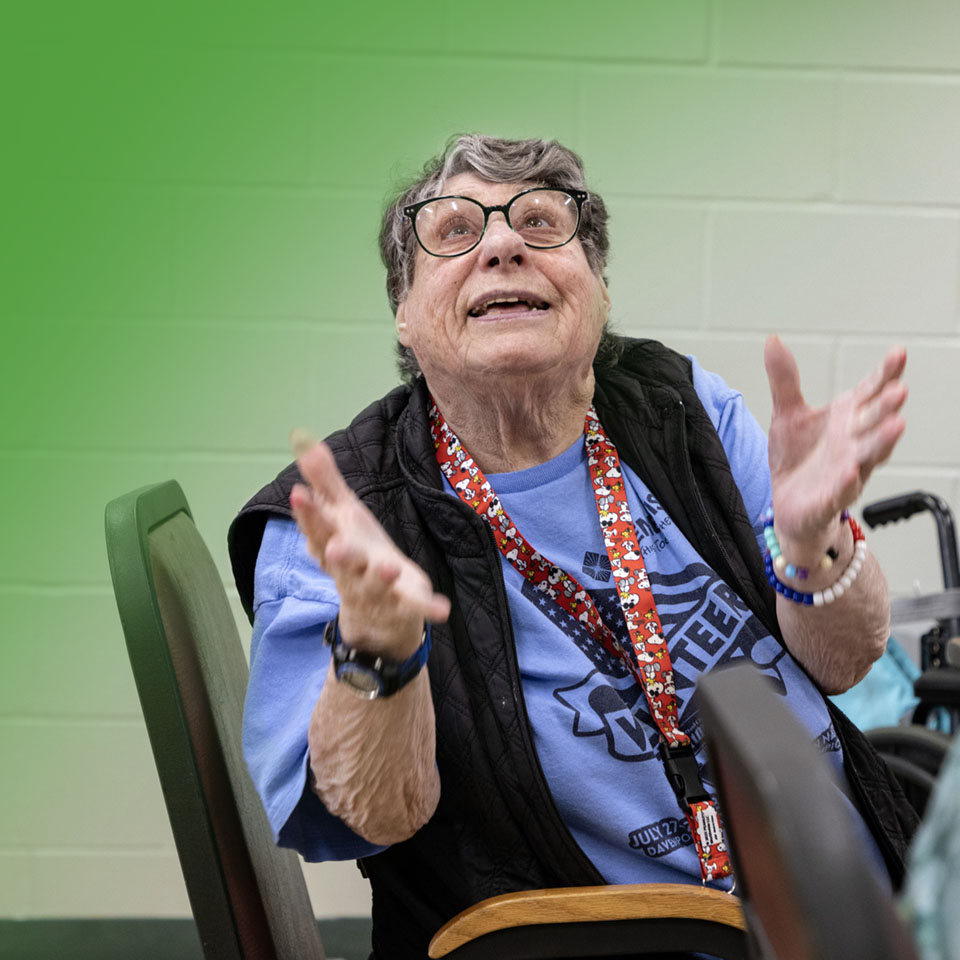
pixel 809 890
pixel 248 897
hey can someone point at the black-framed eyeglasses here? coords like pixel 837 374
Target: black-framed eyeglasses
pixel 544 218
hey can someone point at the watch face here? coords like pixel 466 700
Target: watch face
pixel 361 680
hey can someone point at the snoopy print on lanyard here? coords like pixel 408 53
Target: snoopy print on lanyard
pixel 637 604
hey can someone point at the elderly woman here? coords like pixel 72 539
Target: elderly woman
pixel 562 525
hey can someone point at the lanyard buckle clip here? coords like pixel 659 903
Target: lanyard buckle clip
pixel 683 774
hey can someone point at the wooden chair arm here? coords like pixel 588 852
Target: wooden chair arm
pixel 635 901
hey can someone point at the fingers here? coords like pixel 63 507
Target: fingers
pixel 321 504
pixel 371 574
pixel 824 457
pixel 319 469
pixel 878 424
pixel 345 557
pixel 301 440
pixel 861 453
pixel 876 447
pixel 890 370
pixel 437 609
pixel 783 374
pixel 882 405
pixel 895 361
pixel 311 518
pixel 411 589
pixel 386 590
pixel 849 483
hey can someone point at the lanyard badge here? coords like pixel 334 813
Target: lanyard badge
pixel 653 669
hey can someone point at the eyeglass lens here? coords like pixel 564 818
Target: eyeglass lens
pixel 452 225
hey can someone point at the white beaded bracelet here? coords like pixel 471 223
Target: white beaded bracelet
pixel 822 597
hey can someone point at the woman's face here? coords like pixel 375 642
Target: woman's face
pixel 458 319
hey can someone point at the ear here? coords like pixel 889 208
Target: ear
pixel 400 323
pixel 605 292
pixel 604 300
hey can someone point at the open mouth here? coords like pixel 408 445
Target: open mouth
pixel 505 306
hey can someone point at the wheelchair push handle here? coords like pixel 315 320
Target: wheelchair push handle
pixel 901 507
pixel 905 505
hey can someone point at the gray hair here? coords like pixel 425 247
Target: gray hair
pixel 543 162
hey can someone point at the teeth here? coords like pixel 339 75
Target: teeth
pixel 478 311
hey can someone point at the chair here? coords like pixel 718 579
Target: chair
pixel 808 889
pixel 248 897
pixel 619 922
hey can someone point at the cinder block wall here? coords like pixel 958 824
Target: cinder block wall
pixel 191 271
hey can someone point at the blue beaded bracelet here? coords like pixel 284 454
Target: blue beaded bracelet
pixel 821 597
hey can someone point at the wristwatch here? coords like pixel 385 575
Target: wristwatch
pixel 370 676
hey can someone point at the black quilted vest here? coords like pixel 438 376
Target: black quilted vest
pixel 496 828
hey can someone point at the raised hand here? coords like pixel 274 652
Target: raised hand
pixel 385 596
pixel 821 459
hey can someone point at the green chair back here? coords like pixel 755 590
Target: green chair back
pixel 248 897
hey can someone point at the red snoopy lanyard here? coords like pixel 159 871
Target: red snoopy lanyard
pixel 653 669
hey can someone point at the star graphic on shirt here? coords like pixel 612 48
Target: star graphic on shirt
pixel 608 609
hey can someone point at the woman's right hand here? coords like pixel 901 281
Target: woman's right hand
pixel 385 597
pixel 378 771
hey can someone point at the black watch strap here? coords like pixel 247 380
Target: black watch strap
pixel 368 675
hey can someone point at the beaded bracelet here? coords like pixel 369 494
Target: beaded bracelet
pixel 839 587
pixel 780 564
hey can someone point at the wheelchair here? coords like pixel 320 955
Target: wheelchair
pixel 916 750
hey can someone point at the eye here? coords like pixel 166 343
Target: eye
pixel 535 220
pixel 533 215
pixel 454 227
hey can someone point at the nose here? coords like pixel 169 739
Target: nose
pixel 500 244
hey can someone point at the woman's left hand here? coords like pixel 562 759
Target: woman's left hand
pixel 821 459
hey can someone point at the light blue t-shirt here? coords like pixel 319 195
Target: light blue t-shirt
pixel 592 729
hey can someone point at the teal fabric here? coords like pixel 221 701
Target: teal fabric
pixel 932 890
pixel 885 694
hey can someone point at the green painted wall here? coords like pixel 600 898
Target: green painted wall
pixel 188 269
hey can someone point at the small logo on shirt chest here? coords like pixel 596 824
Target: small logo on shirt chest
pixel 597 566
